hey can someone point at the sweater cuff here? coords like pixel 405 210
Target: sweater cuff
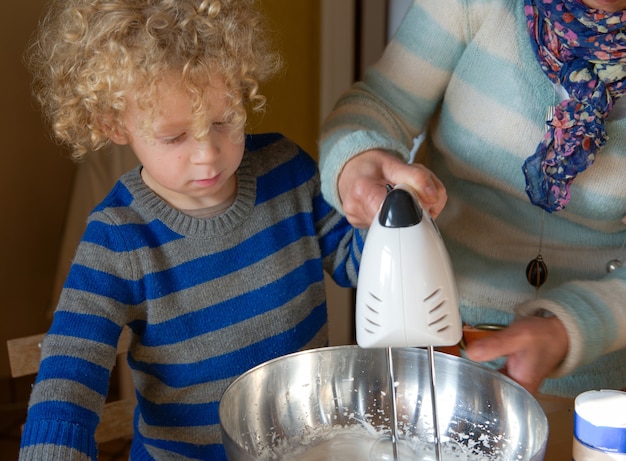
pixel 56 440
pixel 544 307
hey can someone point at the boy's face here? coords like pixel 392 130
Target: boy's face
pixel 185 172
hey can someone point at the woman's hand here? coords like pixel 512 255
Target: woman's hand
pixel 533 346
pixel 362 185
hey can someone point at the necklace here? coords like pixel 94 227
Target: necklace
pixel 537 270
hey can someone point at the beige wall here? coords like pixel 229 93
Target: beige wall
pixel 35 178
pixel 293 97
pixel 34 185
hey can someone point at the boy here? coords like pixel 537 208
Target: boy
pixel 212 251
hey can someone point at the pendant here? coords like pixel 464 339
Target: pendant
pixel 613 264
pixel 537 272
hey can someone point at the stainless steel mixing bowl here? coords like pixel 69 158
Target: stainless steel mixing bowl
pixel 299 399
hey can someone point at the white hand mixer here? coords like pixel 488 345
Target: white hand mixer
pixel 406 293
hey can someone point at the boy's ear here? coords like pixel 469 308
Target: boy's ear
pixel 115 131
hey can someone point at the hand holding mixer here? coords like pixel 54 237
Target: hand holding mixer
pixel 406 293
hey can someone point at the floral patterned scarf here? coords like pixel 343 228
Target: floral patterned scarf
pixel 584 50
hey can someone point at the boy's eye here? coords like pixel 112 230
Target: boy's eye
pixel 175 139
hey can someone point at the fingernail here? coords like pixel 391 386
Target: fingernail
pixel 430 189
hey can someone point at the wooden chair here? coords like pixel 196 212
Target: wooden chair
pixel 116 421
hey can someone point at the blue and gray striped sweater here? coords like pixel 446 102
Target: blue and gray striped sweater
pixel 206 300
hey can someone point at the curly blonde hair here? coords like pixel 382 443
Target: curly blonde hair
pixel 88 55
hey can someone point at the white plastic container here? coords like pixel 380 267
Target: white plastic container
pixel 600 426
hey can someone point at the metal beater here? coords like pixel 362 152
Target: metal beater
pixel 406 293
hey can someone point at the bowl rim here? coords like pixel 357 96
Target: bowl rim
pixel 411 350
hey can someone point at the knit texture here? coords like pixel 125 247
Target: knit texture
pixel 464 72
pixel 206 300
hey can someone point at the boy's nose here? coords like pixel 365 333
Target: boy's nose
pixel 205 151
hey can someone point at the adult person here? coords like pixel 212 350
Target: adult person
pixel 520 104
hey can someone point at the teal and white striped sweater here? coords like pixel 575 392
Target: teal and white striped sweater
pixel 206 300
pixel 467 68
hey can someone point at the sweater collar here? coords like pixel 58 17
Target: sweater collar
pixel 157 208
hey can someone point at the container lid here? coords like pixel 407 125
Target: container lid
pixel 600 420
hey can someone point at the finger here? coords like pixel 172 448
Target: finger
pixel 364 199
pixel 429 188
pixel 519 365
pixel 361 186
pixel 441 197
pixel 496 345
pixel 526 370
pixel 518 336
